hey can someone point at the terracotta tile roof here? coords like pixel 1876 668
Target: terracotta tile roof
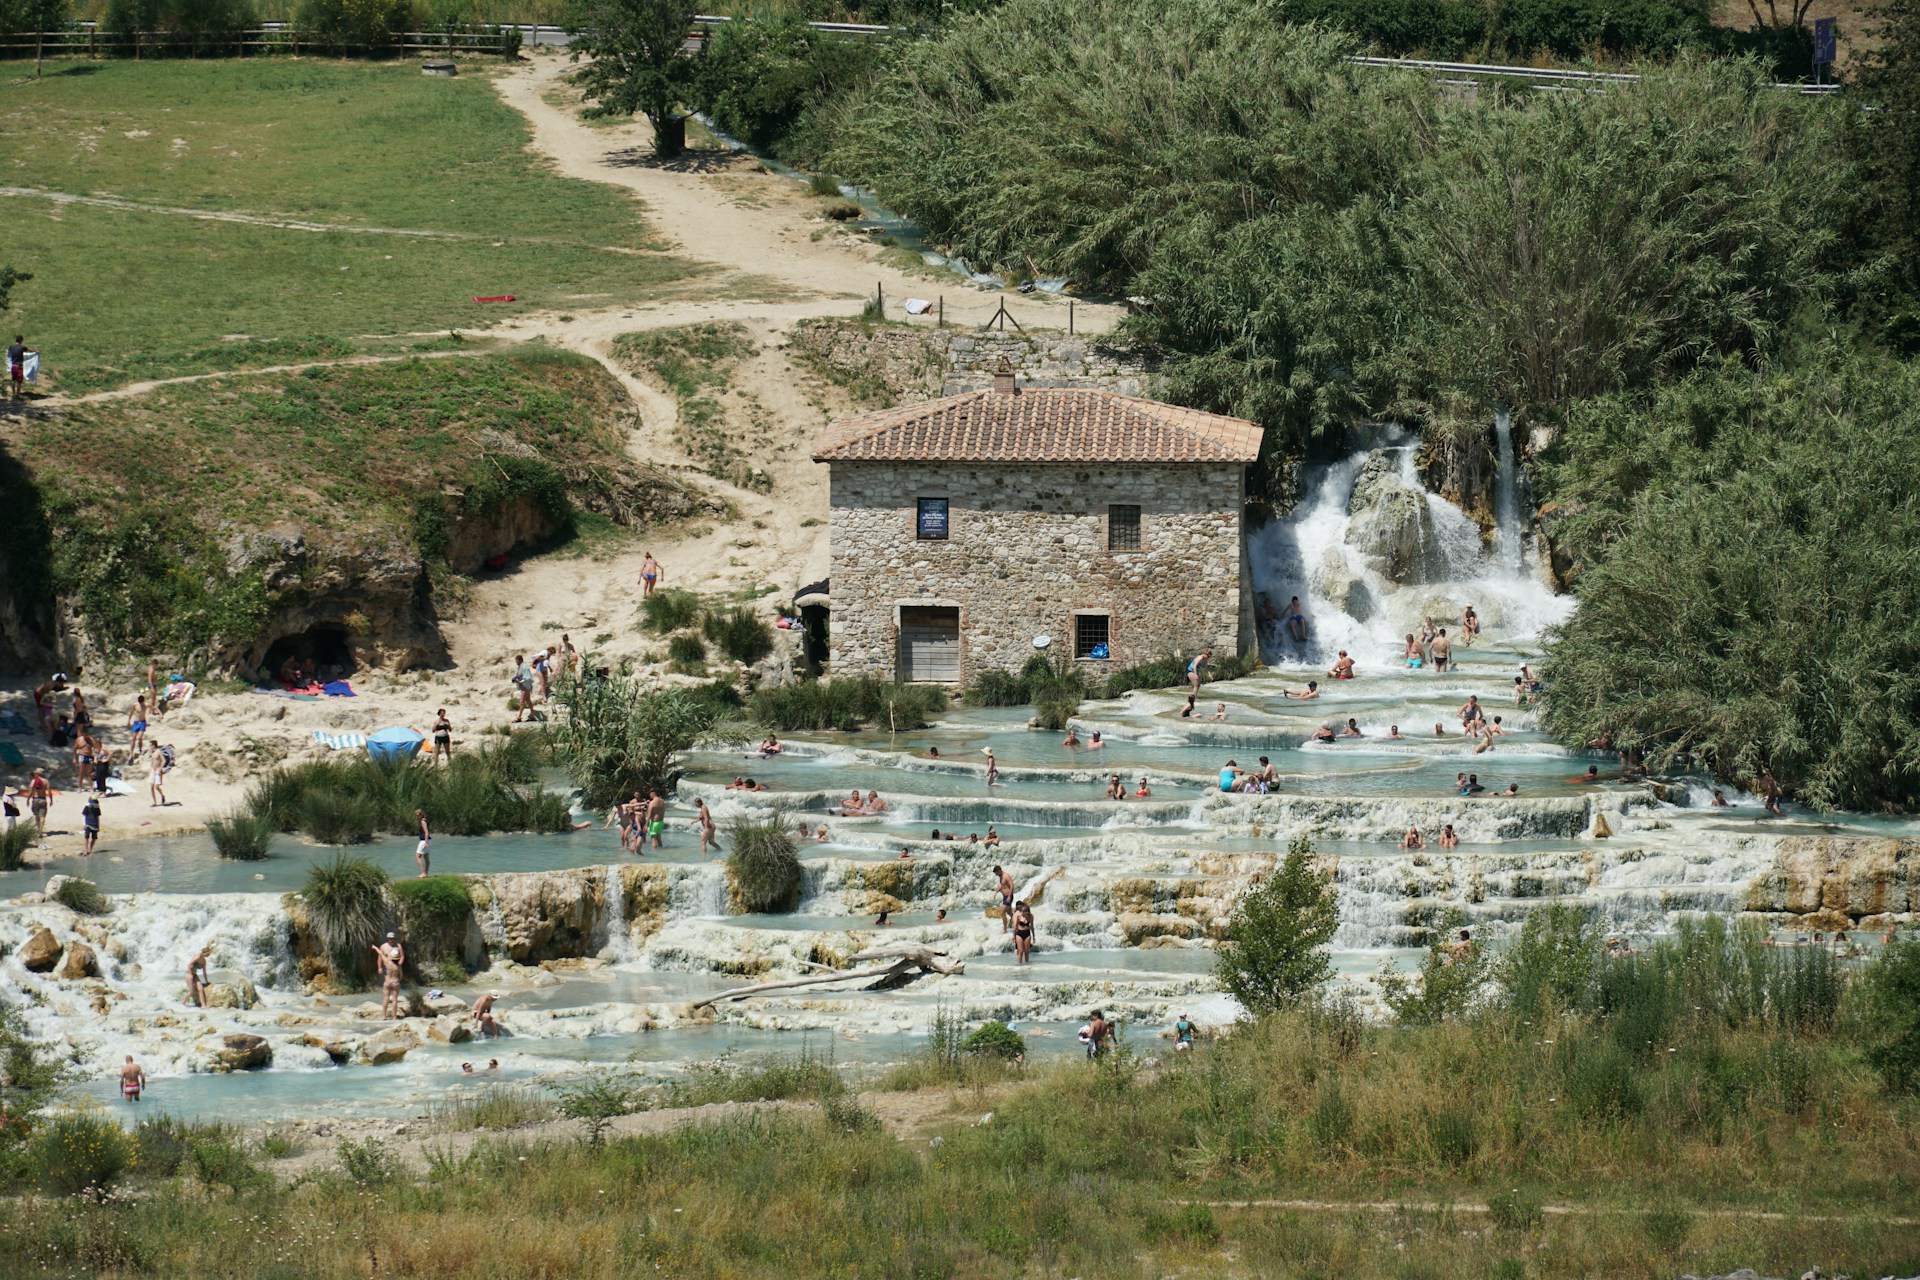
pixel 1067 424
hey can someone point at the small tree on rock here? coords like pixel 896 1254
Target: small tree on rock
pixel 1275 950
pixel 634 62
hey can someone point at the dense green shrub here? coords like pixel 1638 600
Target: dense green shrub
pixel 162 1145
pixel 1170 671
pixel 1687 516
pixel 763 862
pixel 349 902
pixel 995 1040
pixel 1892 989
pixel 83 897
pixel 1452 984
pixel 1274 951
pixel 356 24
pixel 80 1150
pixel 760 81
pixel 619 736
pixel 349 801
pixel 1553 965
pixel 434 912
pixel 846 704
pixel 740 635
pixel 333 817
pixel 670 609
pixel 241 835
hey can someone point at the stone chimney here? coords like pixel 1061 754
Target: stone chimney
pixel 1003 378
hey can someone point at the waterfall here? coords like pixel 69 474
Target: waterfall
pixel 1506 497
pixel 618 946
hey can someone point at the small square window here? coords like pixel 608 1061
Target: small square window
pixel 931 522
pixel 1090 638
pixel 1123 528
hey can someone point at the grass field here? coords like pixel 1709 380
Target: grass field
pixel 1449 1153
pixel 122 294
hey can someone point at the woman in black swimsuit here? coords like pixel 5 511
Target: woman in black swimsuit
pixel 1022 933
pixel 442 737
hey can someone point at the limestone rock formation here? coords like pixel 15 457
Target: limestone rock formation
pixel 80 962
pixel 390 1045
pixel 1335 580
pixel 41 952
pixel 544 915
pixel 450 1029
pixel 1390 522
pixel 1833 882
pixel 242 1052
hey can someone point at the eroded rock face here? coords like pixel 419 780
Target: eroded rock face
pixel 41 952
pixel 1836 881
pixel 1391 523
pixel 1335 581
pixel 1460 466
pixel 546 915
pixel 242 1052
pixel 450 1029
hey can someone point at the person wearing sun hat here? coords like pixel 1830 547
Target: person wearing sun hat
pixel 993 767
pixel 483 1020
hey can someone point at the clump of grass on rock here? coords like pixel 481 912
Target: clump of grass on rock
pixel 763 862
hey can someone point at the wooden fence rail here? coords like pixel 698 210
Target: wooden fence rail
pixel 91 43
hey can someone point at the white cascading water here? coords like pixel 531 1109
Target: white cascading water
pixel 1506 497
pixel 1361 601
pixel 617 947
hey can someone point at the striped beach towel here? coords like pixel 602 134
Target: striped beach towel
pixel 339 741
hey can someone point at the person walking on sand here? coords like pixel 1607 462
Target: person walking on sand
pixel 17 353
pixel 656 818
pixel 651 575
pixel 39 800
pixel 137 723
pixel 422 852
pixel 133 1081
pixel 442 738
pixel 708 835
pixel 523 685
pixel 197 976
pixel 89 825
pixel 1197 669
pixel 389 957
pixel 156 793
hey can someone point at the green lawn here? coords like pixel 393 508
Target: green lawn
pixel 120 295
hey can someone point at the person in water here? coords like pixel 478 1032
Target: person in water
pixel 1324 733
pixel 1587 779
pixel 1311 691
pixel 1393 733
pixel 1116 789
pixel 1353 729
pixel 133 1080
pixel 1142 791
pixel 1296 621
pixel 1448 840
pixel 1412 840
pixel 1342 668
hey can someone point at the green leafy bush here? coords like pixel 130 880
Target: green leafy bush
pixel 83 897
pixel 1274 951
pixel 740 635
pixel 435 912
pixel 597 1101
pixel 670 609
pixel 162 1145
pixel 369 1163
pixel 1170 671
pixel 1453 979
pixel 846 704
pixel 1892 990
pixel 995 1040
pixel 80 1150
pixel 356 24
pixel 761 82
pixel 763 862
pixel 1554 964
pixel 331 817
pixel 241 835
pixel 619 736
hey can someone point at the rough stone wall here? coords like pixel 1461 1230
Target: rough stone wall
pixel 1026 550
pixel 917 364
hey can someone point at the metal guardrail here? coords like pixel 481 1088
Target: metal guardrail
pixel 1544 76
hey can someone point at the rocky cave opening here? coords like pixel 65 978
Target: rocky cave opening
pixel 324 644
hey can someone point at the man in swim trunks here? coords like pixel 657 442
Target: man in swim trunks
pixel 1100 1033
pixel 137 723
pixel 1004 887
pixel 133 1081
pixel 651 574
pixel 483 1019
pixel 656 818
pixel 1442 651
pixel 389 957
pixel 1296 621
pixel 89 826
pixel 1311 691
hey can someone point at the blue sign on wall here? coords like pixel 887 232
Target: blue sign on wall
pixel 1823 42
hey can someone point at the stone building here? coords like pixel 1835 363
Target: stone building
pixel 969 530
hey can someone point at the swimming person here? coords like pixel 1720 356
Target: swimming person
pixel 1412 839
pixel 1353 729
pixel 1448 840
pixel 1324 733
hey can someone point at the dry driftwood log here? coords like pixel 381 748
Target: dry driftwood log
pixel 887 967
